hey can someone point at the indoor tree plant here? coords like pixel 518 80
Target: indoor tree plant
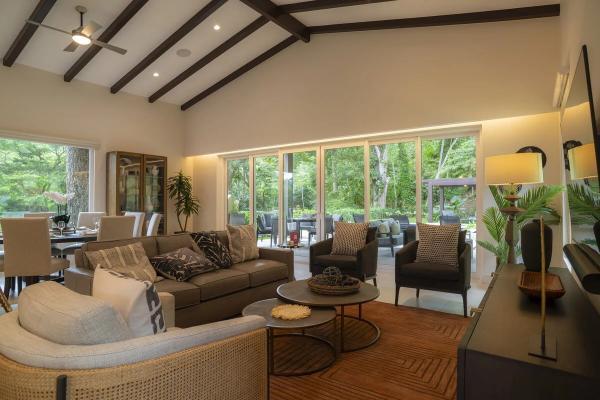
pixel 179 188
pixel 534 202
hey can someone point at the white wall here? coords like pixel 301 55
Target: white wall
pixel 364 82
pixel 39 103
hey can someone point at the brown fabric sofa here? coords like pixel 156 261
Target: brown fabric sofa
pixel 208 297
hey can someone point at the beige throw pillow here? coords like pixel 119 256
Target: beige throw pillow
pixel 130 260
pixel 136 301
pixel 438 244
pixel 349 238
pixel 242 243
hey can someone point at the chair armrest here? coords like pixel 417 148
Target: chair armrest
pixel 407 254
pixel 284 256
pixel 79 280
pixel 464 264
pixel 367 258
pixel 167 302
pixel 318 249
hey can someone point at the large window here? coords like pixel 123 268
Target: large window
pixel 300 194
pixel 344 183
pixel 266 197
pixel 29 169
pixel 448 171
pixel 238 191
pixel 393 180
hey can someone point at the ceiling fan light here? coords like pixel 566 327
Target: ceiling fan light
pixel 81 39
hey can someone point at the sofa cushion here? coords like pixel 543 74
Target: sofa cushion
pixel 215 250
pixel 129 260
pixel 430 271
pixel 182 264
pixel 344 263
pixel 349 238
pixel 137 301
pixel 169 243
pixel 262 271
pixel 242 243
pixel 55 313
pixel 149 244
pixel 220 282
pixel 186 294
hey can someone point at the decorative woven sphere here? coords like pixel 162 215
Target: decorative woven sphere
pixel 332 275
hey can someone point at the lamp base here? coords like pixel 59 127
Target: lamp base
pixel 549 353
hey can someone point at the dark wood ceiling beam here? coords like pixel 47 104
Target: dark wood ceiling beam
pixel 552 10
pixel 314 5
pixel 122 19
pixel 169 42
pixel 241 71
pixel 198 65
pixel 275 14
pixel 39 13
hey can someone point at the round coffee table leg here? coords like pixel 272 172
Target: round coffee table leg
pixel 360 319
pixel 326 365
pixel 342 329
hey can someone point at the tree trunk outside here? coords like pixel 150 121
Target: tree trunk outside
pixel 382 163
pixel 78 161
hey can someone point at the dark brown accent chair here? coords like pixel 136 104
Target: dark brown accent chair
pixel 362 266
pixel 433 276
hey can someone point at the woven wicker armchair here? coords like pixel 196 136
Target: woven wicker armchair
pixel 224 360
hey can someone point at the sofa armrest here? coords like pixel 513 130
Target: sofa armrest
pixel 285 256
pixel 79 280
pixel 167 301
pixel 367 258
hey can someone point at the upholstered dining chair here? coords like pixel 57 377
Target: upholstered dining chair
pixel 116 228
pixel 153 224
pixel 434 276
pixel 138 226
pixel 27 251
pixel 56 250
pixel 362 266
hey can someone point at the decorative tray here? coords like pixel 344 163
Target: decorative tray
pixel 349 286
pixel 531 283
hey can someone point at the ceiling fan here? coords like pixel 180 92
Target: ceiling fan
pixel 82 36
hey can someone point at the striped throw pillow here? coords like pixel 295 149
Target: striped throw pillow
pixel 349 238
pixel 438 244
pixel 130 260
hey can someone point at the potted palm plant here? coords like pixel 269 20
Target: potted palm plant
pixel 179 188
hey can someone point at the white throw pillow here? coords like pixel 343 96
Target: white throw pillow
pixel 53 312
pixel 136 301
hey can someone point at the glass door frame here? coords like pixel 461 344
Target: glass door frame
pixel 252 168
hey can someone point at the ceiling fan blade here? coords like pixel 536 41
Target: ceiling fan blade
pixel 109 47
pixel 71 47
pixel 90 28
pixel 48 27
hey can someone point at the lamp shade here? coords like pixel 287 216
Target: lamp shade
pixel 582 162
pixel 517 168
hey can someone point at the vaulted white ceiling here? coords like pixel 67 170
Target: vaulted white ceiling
pixel 160 18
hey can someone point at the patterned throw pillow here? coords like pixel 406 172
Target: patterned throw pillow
pixel 349 238
pixel 438 244
pixel 182 264
pixel 213 248
pixel 128 260
pixel 136 301
pixel 242 242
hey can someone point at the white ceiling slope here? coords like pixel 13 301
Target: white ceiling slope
pixel 159 18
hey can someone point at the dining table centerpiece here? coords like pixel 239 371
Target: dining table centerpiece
pixel 61 201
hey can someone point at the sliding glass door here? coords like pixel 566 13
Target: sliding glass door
pixel 344 183
pixel 392 168
pixel 238 191
pixel 266 198
pixel 300 197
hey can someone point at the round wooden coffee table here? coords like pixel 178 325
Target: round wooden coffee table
pixel 289 362
pixel 356 333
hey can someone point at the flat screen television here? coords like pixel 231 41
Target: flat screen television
pixel 581 145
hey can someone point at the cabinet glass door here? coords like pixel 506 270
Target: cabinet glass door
pixel 155 169
pixel 130 173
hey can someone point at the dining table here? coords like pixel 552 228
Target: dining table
pixel 68 237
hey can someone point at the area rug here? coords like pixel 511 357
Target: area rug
pixel 415 358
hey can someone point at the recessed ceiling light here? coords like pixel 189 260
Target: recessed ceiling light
pixel 156 74
pixel 217 27
pixel 183 52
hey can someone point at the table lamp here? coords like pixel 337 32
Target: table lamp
pixel 513 169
